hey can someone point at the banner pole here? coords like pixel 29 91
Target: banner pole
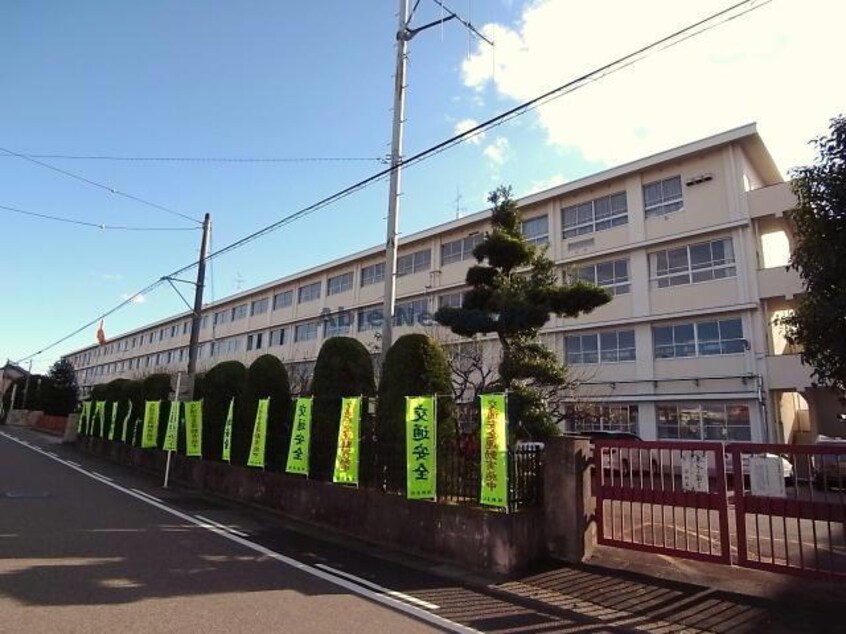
pixel 175 398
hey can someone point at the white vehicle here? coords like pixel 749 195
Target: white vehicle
pixel 786 466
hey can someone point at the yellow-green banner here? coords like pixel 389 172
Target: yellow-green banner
pixel 420 443
pixel 172 427
pixel 113 421
pixel 257 446
pixel 194 429
pixel 150 432
pixel 227 432
pixel 84 416
pixel 346 458
pixel 298 450
pixel 494 451
pixel 126 421
pixel 100 415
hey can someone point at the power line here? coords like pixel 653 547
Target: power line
pixel 88 181
pixel 202 159
pixel 679 36
pixel 92 224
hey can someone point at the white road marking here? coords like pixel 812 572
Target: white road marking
pixel 223 526
pixel 378 588
pixel 101 476
pixel 148 496
pixel 355 588
pixel 75 464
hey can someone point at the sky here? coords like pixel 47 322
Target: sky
pixel 299 81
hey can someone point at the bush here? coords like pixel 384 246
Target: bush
pixel 133 391
pixel 416 365
pixel 266 377
pixel 223 382
pixel 343 368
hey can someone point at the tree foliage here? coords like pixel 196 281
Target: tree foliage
pixel 343 368
pixel 61 392
pixel 515 290
pixel 819 222
pixel 266 378
pixel 221 384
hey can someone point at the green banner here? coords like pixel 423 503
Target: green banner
pixel 113 421
pixel 84 415
pixel 256 458
pixel 89 421
pixel 172 427
pixel 300 438
pixel 194 429
pixel 227 432
pixel 494 451
pixel 420 443
pixel 100 414
pixel 346 458
pixel 135 432
pixel 126 422
pixel 150 433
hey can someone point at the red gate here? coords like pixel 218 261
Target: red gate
pixel 662 497
pixel 790 508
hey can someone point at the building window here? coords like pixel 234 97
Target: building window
pixel 612 275
pixel 451 300
pixel 414 262
pixel 185 328
pixel 536 230
pixel 703 421
pixel 704 338
pixel 277 337
pixel 604 347
pixel 339 283
pixel 260 306
pixel 283 299
pixel 239 312
pixel 305 332
pixel 336 325
pixel 459 250
pixel 162 336
pixel 373 274
pixel 222 317
pixel 254 341
pixel 580 417
pixel 308 293
pixel 662 197
pixel 701 262
pixel 595 215
pixel 370 319
pixel 410 313
pixel 204 322
pixel 174 330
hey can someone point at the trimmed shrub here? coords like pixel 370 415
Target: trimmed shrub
pixel 266 377
pixel 114 394
pixel 221 384
pixel 133 391
pixel 157 388
pixel 343 368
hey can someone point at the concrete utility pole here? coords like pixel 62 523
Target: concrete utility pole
pixel 26 384
pixel 404 35
pixel 198 306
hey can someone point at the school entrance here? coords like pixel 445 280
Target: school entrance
pixel 773 507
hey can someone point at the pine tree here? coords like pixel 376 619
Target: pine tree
pixel 514 291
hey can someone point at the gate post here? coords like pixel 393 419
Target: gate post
pixel 569 505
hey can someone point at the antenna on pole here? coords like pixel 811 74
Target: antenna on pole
pixel 405 33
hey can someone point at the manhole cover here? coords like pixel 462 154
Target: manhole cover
pixel 25 495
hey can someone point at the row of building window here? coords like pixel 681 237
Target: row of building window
pixel 702 338
pixel 707 420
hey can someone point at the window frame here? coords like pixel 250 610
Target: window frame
pixel 678 275
pixel 603 354
pixel 306 292
pixel 615 217
pixel 670 416
pixel 666 205
pixel 344 283
pixel 419 261
pixel 618 285
pixel 541 238
pixel 262 304
pixel 312 326
pixel 372 274
pixel 734 345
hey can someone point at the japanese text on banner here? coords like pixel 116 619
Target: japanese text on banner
pixel 194 429
pixel 113 422
pixel 298 451
pixel 227 433
pixel 126 421
pixel 346 459
pixel 494 451
pixel 256 458
pixel 150 432
pixel 421 444
pixel 172 427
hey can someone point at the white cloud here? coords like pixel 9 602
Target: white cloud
pixel 497 152
pixel 111 276
pixel 137 299
pixel 468 124
pixel 772 66
pixel 546 183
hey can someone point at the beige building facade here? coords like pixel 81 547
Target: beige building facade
pixel 692 242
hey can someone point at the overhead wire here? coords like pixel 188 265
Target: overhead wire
pixel 201 159
pixel 101 226
pixel 681 35
pixel 88 181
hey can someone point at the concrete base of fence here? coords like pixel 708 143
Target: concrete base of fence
pixel 70 428
pixel 504 543
pixel 569 505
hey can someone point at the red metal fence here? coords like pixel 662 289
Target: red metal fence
pixel 773 507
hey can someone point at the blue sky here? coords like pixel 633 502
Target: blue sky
pixel 269 79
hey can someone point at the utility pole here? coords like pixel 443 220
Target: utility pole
pixel 26 384
pixel 404 35
pixel 198 306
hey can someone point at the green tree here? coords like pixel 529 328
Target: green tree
pixel 157 388
pixel 221 384
pixel 266 378
pixel 512 296
pixel 343 368
pixel 819 223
